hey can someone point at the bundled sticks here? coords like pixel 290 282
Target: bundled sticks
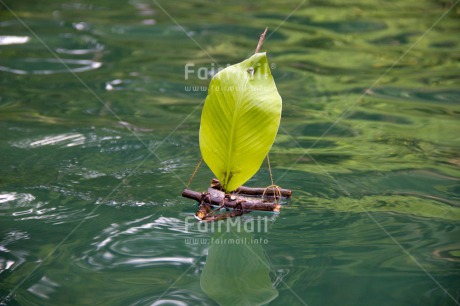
pixel 242 200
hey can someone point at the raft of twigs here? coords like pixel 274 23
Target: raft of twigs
pixel 241 201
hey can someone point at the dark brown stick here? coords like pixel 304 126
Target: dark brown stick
pixel 269 192
pixel 261 40
pixel 190 194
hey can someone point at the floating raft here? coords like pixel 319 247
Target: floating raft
pixel 242 200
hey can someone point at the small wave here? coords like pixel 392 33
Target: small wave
pixel 15 199
pixel 53 66
pixel 125 245
pixel 13 40
pixel 64 140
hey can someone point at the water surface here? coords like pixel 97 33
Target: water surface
pixel 100 135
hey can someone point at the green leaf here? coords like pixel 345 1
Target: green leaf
pixel 240 119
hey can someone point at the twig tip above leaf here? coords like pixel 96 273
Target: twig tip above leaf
pixel 261 40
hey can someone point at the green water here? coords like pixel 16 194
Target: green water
pixel 99 135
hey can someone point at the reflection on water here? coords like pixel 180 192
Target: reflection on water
pixel 236 271
pixel 74 139
pixel 12 259
pixel 70 65
pixel 90 206
pixel 11 40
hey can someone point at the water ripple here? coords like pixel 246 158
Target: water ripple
pixel 10 259
pixel 64 140
pixel 34 66
pixel 175 298
pixel 20 198
pixel 13 40
pixel 124 244
pixel 44 288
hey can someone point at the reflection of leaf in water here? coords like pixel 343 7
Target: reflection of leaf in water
pixel 237 274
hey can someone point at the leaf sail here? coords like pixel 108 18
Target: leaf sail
pixel 240 119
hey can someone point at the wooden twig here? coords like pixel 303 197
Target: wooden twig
pixel 243 190
pixel 261 40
